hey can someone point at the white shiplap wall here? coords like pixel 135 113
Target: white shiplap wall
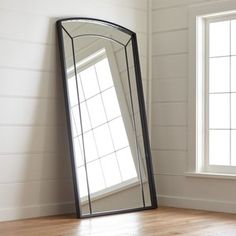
pixel 169 115
pixel 35 177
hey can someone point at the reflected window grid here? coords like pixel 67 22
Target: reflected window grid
pixel 222 93
pixel 107 123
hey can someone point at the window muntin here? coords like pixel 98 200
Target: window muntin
pixel 106 135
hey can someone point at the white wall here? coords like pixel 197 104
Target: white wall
pixel 35 177
pixel 169 115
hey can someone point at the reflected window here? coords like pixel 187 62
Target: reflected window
pixel 103 133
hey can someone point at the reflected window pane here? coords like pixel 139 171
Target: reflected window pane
pixel 126 164
pixel 85 117
pixel 104 74
pixel 96 111
pixel 233 37
pixel 233 74
pixel 73 99
pixel 78 148
pixel 233 147
pixel 96 181
pixel 118 133
pixel 219 111
pixel 80 90
pixel 103 140
pixel 233 112
pixel 219 74
pixel 73 127
pixel 76 120
pixel 90 147
pixel 89 82
pixel 219 147
pixel 219 38
pixel 110 170
pixel 81 177
pixel 111 103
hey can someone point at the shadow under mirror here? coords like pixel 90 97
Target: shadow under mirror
pixel 110 151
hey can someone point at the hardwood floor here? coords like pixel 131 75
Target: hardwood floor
pixel 163 221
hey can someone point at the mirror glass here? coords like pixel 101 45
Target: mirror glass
pixel 110 152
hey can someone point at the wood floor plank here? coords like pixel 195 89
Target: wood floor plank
pixel 161 222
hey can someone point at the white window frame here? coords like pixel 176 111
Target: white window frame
pixel 197 99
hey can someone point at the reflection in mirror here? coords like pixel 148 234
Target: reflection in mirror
pixel 110 151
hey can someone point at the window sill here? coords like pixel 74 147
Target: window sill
pixel 210 175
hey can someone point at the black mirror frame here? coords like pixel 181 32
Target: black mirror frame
pixel 143 117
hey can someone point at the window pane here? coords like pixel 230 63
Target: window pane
pixel 118 133
pixel 96 181
pixel 111 103
pixel 110 170
pixel 73 99
pixel 233 74
pixel 219 147
pixel 78 149
pixel 103 140
pixel 233 37
pixel 90 147
pixel 219 38
pixel 89 82
pixel 96 111
pixel 233 111
pixel 233 147
pixel 126 164
pixel 104 74
pixel 81 176
pixel 219 74
pixel 86 125
pixel 219 113
pixel 76 118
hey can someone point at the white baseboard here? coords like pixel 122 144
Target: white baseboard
pixel 36 211
pixel 69 207
pixel 199 204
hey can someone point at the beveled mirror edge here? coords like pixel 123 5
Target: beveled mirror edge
pixel 72 159
pixel 143 116
pixel 151 181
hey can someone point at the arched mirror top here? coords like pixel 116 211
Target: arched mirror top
pixel 87 27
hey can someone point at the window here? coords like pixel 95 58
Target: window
pixel 212 90
pixel 109 160
pixel 220 92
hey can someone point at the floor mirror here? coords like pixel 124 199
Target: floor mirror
pixel 106 118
